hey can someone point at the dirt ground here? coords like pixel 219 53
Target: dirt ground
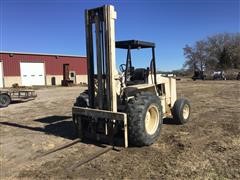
pixel 208 147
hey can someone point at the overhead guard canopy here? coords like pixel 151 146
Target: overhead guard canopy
pixel 134 44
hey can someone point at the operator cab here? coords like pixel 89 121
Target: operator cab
pixel 134 76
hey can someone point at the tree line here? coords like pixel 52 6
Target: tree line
pixel 217 52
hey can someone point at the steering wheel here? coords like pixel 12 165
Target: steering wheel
pixel 122 68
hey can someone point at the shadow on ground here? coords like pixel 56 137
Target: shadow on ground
pixel 170 121
pixel 52 119
pixel 61 126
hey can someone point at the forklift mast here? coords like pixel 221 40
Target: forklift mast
pixel 101 60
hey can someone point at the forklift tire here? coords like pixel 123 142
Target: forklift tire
pixel 144 119
pixel 181 111
pixel 81 101
pixel 5 100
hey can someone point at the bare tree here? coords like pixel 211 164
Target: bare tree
pixel 221 51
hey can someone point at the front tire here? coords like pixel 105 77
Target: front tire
pixel 78 121
pixel 144 119
pixel 82 100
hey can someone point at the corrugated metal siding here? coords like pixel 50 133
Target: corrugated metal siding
pixel 53 64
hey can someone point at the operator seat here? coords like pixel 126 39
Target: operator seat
pixel 138 76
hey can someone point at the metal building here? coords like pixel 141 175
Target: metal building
pixel 27 69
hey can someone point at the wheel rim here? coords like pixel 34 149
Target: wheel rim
pixel 152 119
pixel 186 111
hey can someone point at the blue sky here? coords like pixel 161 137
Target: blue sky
pixel 57 26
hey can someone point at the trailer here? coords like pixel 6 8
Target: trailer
pixel 8 96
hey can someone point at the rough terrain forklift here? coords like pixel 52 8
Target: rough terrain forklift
pixel 126 106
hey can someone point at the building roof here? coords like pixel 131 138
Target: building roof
pixel 40 54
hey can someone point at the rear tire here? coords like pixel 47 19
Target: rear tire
pixel 181 111
pixel 144 119
pixel 5 100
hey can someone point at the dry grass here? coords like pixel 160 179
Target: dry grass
pixel 208 147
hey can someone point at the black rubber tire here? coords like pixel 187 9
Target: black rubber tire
pixel 81 101
pixel 177 111
pixel 5 100
pixel 136 110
